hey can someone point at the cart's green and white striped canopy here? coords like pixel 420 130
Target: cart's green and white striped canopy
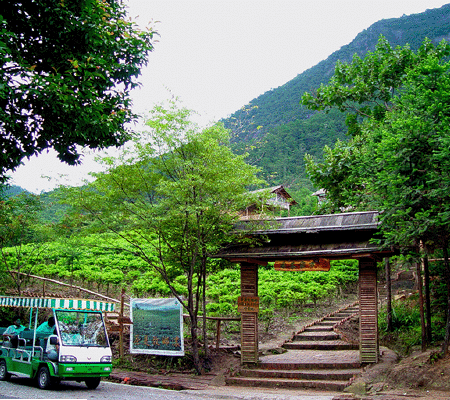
pixel 46 302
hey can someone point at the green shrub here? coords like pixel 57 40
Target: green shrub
pixel 405 315
pixel 266 316
pixel 406 324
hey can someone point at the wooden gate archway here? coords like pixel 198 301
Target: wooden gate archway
pixel 288 240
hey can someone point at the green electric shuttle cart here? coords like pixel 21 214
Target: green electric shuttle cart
pixel 77 350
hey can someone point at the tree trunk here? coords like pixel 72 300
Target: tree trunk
pixel 389 294
pixel 193 315
pixel 426 272
pixel 195 344
pixel 447 277
pixel 422 315
pixel 205 334
pixel 19 284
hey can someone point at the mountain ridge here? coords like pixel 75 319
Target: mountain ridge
pixel 276 131
pixel 412 29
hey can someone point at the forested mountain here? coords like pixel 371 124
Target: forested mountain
pixel 13 190
pixel 277 131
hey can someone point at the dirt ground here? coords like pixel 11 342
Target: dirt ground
pixel 421 374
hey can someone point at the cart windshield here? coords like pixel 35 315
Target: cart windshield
pixel 81 328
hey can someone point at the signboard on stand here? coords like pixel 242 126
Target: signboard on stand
pixel 248 304
pixel 157 327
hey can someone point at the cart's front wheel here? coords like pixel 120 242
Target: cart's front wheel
pixel 4 374
pixel 43 378
pixel 92 383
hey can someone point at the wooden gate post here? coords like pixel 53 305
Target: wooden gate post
pixel 368 311
pixel 249 320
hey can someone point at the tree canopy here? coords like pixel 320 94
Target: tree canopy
pixel 173 198
pixel 398 161
pixel 67 68
pixel 364 88
pixel 370 91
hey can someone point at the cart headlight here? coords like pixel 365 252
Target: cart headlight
pixel 105 359
pixel 68 359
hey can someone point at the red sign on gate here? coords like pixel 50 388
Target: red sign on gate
pixel 319 264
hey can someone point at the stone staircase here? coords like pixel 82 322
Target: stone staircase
pixel 315 358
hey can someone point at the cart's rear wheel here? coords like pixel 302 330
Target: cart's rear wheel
pixel 92 383
pixel 4 374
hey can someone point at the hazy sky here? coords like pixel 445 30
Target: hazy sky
pixel 217 56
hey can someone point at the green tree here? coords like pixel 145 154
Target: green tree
pixel 340 173
pixel 413 167
pixel 398 160
pixel 173 198
pixel 364 88
pixel 67 68
pixel 22 237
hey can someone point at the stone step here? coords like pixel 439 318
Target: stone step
pixel 316 328
pixel 330 385
pixel 318 336
pixel 343 316
pixel 326 323
pixel 316 358
pixel 323 345
pixel 311 359
pixel 333 318
pixel 307 365
pixel 340 317
pixel 307 374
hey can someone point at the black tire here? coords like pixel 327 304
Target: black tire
pixel 4 374
pixel 44 379
pixel 92 383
